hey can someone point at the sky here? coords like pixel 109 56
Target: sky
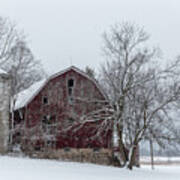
pixel 69 32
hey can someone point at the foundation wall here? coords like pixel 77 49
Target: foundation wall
pixel 96 156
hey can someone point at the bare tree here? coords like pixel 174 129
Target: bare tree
pixel 23 67
pixel 17 59
pixel 24 70
pixel 140 94
pixel 149 110
pixel 8 38
pixel 123 47
pixel 90 72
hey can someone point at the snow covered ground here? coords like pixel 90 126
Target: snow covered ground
pixel 30 169
pixel 161 160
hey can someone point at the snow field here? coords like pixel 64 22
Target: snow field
pixel 32 169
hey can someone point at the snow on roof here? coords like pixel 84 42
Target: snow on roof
pixel 2 71
pixel 24 96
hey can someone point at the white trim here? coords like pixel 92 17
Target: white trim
pixel 59 74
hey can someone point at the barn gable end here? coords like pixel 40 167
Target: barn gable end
pixel 25 97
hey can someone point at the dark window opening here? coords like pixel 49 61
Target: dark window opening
pixel 49 120
pixel 49 125
pixel 45 120
pixel 70 90
pixel 96 149
pixel 45 100
pixel 70 83
pixel 71 120
pixel 70 87
pixel 38 145
pixel 67 149
pixel 37 148
pixel 49 143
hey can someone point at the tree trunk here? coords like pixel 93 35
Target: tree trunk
pixel 132 157
pixel 151 153
pixel 122 150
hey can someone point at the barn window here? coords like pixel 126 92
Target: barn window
pixel 37 148
pixel 70 90
pixel 71 120
pixel 96 149
pixel 45 100
pixel 46 120
pixel 67 149
pixel 70 86
pixel 49 143
pixel 49 124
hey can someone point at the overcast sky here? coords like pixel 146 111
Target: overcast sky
pixel 64 31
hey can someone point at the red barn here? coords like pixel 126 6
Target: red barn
pixel 51 113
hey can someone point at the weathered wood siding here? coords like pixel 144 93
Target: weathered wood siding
pixel 65 111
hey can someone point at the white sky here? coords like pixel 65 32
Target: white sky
pixel 61 31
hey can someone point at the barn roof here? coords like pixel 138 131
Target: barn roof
pixel 26 96
pixel 2 71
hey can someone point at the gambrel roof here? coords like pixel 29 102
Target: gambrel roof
pixel 26 96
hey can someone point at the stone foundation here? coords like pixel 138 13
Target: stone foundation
pixel 96 156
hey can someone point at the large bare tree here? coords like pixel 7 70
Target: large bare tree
pixel 126 55
pixel 140 93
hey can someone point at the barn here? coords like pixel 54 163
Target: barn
pixel 51 114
